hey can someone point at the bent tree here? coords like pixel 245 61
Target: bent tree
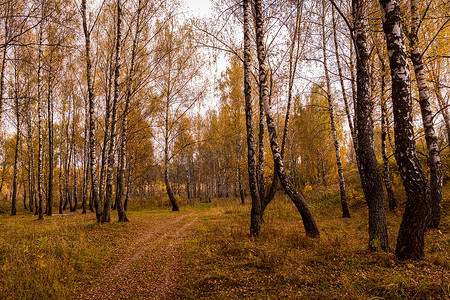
pixel 345 211
pixel 410 241
pixel 307 217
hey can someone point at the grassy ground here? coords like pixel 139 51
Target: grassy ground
pixel 50 259
pixel 222 262
pixel 54 258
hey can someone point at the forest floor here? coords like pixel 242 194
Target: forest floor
pixel 205 252
pixel 149 266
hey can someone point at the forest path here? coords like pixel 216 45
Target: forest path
pixel 149 266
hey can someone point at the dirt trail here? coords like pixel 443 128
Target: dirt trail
pixel 149 267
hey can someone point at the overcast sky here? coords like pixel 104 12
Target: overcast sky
pixel 200 8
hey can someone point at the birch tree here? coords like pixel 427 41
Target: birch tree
pixel 434 159
pixel 410 241
pixel 308 220
pixel 345 211
pixel 368 166
pixel 255 214
pixel 178 88
pixel 91 101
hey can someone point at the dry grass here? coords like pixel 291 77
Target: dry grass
pixel 54 258
pixel 224 263
pixel 49 259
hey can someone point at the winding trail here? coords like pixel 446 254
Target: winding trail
pixel 149 267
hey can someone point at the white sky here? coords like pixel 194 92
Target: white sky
pixel 203 9
pixel 200 8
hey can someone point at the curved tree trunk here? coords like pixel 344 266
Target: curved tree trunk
pixel 255 215
pixel 368 166
pixel 341 81
pixel 308 220
pixel 344 205
pixel 294 55
pixel 172 199
pixel 434 158
pixel 410 241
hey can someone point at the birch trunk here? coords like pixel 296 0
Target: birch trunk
pixel 14 191
pixel 67 196
pixel 50 140
pixel 4 54
pixel 61 168
pixel 106 138
pixel 40 179
pixel 308 220
pixel 410 241
pixel 368 166
pixel 123 146
pixel 255 214
pixel 241 189
pixel 294 55
pixel 92 155
pixel 443 106
pixel 345 211
pixel 260 168
pixel 341 81
pixel 110 172
pixel 31 181
pixel 24 185
pixel 354 95
pixel 74 155
pixel 85 170
pixel 434 159
pixel 384 131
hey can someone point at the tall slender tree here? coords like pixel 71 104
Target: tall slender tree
pixel 345 211
pixel 368 166
pixel 392 202
pixel 411 236
pixel 40 179
pixel 255 214
pixel 434 159
pixel 91 101
pixel 124 134
pixel 112 135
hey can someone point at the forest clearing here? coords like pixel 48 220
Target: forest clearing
pixel 204 252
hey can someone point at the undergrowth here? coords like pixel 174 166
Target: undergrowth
pixel 54 258
pixel 51 258
pixel 223 262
